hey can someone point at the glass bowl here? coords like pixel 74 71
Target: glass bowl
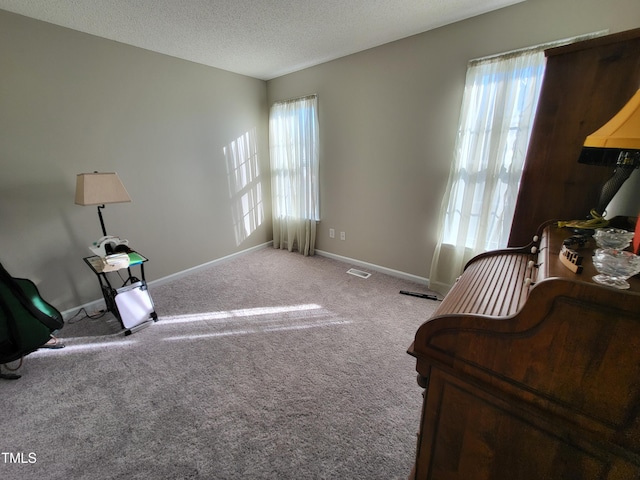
pixel 613 238
pixel 615 267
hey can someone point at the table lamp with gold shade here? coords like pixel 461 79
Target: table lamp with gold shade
pixel 615 144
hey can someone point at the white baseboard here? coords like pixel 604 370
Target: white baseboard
pixel 174 276
pixel 98 305
pixel 377 268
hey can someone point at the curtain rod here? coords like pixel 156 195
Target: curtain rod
pixel 542 46
pixel 304 97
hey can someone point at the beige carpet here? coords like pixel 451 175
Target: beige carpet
pixel 267 366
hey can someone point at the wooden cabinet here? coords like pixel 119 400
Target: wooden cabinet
pixel 531 372
pixel 585 84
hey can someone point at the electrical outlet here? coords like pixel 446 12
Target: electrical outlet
pixel 332 233
pixel 343 236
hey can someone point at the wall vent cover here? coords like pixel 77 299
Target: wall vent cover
pixel 358 273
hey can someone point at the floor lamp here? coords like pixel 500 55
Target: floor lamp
pixel 99 189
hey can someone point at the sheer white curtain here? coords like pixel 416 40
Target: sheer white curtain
pixel 293 138
pixel 498 109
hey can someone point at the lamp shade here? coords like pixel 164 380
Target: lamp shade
pixel 621 133
pixel 99 189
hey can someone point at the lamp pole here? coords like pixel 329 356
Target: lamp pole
pixel 104 230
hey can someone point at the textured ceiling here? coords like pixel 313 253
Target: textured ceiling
pixel 259 38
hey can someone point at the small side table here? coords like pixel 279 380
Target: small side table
pixel 130 303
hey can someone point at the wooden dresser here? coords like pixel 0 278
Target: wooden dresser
pixel 530 371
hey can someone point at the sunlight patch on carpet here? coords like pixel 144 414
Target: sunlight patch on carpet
pixel 81 347
pixel 266 329
pixel 243 312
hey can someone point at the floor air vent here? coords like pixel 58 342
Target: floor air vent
pixel 358 273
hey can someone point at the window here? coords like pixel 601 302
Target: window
pixel 498 108
pixel 293 137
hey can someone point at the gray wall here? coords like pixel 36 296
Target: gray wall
pixel 73 103
pixel 388 120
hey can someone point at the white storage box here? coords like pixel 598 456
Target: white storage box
pixel 134 305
